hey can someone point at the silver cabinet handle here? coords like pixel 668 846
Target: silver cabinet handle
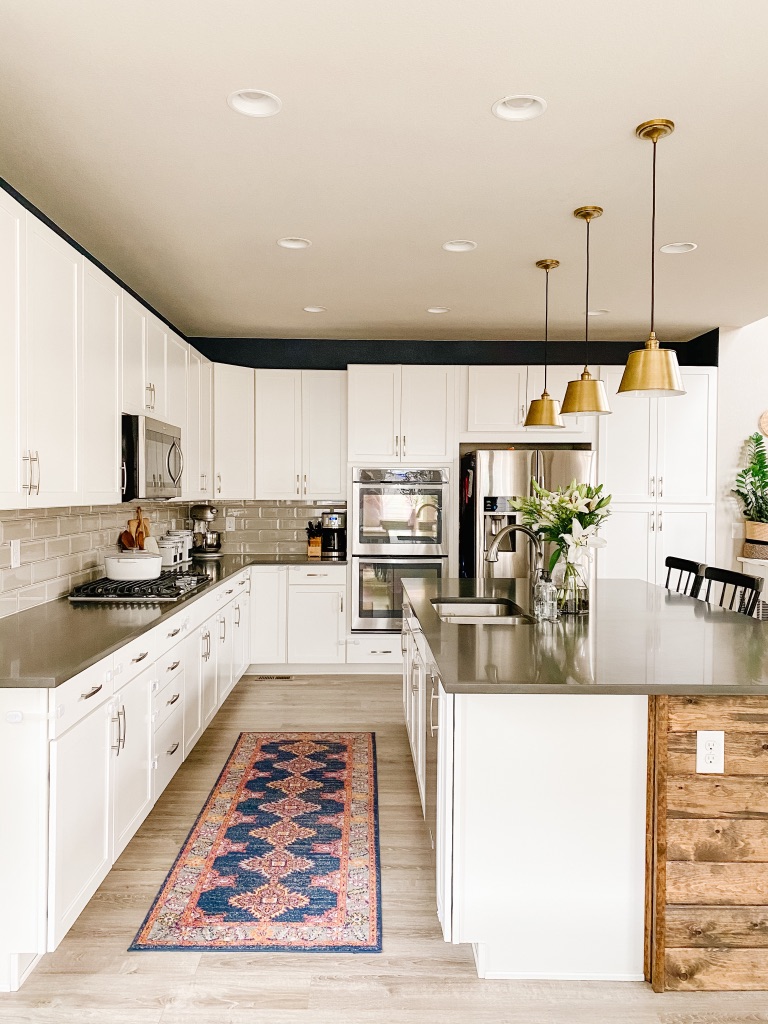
pixel 403 643
pixel 34 459
pixel 522 414
pixel 297 484
pixel 653 521
pixel 661 486
pixel 174 632
pixel 223 633
pixel 141 657
pixel 403 444
pixel 228 592
pixel 381 652
pixel 27 485
pixel 173 700
pixel 116 745
pixel 148 389
pixel 317 574
pixel 173 667
pixel 397 445
pixel 241 583
pixel 432 699
pixel 154 396
pixel 173 749
pixel 92 692
pixel 121 714
pixel 653 487
pixel 124 479
pixel 661 521
pixel 237 611
pixel 305 483
pixel 341 604
pixel 175 445
pixel 218 483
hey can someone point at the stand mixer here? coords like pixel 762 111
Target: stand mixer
pixel 206 543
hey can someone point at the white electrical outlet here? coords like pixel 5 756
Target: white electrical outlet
pixel 229 524
pixel 710 752
pixel 15 553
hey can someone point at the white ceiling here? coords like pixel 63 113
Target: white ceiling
pixel 115 123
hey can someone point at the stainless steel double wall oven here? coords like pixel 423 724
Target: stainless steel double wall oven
pixel 399 531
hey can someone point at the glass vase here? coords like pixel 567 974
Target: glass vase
pixel 572 587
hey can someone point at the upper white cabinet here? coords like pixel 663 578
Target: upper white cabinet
pixel 640 536
pixel 233 431
pixel 197 480
pixel 660 449
pixel 136 398
pixel 51 394
pixel 401 414
pixel 12 313
pixel 153 366
pixel 156 381
pixel 300 434
pixel 176 360
pixel 99 446
pixel 206 427
pixel 497 400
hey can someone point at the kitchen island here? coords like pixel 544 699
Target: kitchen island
pixel 574 838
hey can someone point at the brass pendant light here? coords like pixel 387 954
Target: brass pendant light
pixel 544 412
pixel 586 396
pixel 653 371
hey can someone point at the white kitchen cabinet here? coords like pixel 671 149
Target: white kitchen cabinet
pixel 80 831
pixel 156 369
pixel 225 651
pixel 176 359
pixel 316 624
pixel 400 414
pixel 136 395
pixel 417 689
pixel 269 614
pixel 209 689
pixel 99 426
pixel 577 428
pixel 496 399
pixel 206 428
pixel 52 393
pixel 300 435
pixel 197 480
pixel 241 629
pixel 233 431
pixel 131 747
pixel 660 449
pixel 640 536
pixel 12 333
pixel 444 815
pixel 195 648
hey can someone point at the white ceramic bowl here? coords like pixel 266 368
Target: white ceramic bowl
pixel 133 565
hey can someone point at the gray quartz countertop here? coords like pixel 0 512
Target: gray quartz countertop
pixel 636 639
pixel 44 646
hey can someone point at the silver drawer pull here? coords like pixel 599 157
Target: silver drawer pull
pixel 175 632
pixel 173 667
pixel 141 657
pixel 173 749
pixel 381 652
pixel 173 699
pixel 228 592
pixel 91 693
pixel 317 574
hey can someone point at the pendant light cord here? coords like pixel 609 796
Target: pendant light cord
pixel 653 243
pixel 586 307
pixel 546 327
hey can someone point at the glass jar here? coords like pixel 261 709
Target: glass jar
pixel 572 581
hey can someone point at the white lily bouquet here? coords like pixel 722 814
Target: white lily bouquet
pixel 569 518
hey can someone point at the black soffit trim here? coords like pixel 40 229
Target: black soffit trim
pixel 313 354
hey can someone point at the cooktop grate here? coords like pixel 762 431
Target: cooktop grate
pixel 169 586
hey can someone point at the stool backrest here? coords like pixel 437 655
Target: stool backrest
pixel 738 591
pixel 683 575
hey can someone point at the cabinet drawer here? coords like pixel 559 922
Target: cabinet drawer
pixel 79 696
pixel 169 664
pixel 165 699
pixel 368 650
pixel 321 574
pixel 139 654
pixel 169 749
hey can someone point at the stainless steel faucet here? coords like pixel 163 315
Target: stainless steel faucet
pixel 492 554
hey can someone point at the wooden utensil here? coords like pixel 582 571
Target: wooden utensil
pixel 127 540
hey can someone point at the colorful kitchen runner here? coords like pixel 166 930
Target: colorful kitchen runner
pixel 284 855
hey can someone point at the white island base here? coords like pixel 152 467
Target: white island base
pixel 542 815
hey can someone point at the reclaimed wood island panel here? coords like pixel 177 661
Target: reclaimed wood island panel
pixel 707 852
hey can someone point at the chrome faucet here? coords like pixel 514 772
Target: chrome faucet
pixel 492 554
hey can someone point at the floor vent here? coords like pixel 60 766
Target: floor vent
pixel 281 678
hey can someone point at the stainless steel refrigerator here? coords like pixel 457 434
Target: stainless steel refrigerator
pixel 490 480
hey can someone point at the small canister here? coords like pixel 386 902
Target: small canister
pixel 185 539
pixel 170 550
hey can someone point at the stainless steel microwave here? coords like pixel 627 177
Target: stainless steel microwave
pixel 152 459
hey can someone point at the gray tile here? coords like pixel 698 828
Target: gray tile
pixel 12 579
pixel 5 556
pixel 17 529
pixel 30 597
pixel 48 527
pixel 46 570
pixel 32 551
pixel 275 535
pixel 89 522
pixel 69 525
pixel 9 604
pixel 81 542
pixel 70 564
pixel 57 546
pixel 58 588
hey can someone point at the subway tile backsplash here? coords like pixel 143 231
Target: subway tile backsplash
pixel 63 547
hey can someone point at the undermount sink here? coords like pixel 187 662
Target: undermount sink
pixel 480 611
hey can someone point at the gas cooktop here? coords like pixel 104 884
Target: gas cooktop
pixel 169 586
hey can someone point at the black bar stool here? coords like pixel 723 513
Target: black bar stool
pixel 689 575
pixel 745 590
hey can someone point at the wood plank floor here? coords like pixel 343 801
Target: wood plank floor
pixel 417 977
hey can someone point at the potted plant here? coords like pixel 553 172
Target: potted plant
pixel 752 489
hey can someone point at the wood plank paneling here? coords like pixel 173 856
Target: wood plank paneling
pixel 717 927
pixel 716 884
pixel 716 969
pixel 733 714
pixel 745 753
pixel 717 839
pixel 717 796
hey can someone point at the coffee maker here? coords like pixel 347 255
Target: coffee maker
pixel 206 543
pixel 334 535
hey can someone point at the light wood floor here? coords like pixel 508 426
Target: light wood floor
pixel 417 977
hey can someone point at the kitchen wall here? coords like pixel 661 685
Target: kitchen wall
pixel 62 547
pixel 265 527
pixel 742 397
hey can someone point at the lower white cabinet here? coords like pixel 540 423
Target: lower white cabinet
pixel 241 631
pixel 640 537
pixel 225 650
pixel 209 687
pixel 168 742
pixel 194 660
pixel 269 614
pixel 80 828
pixel 131 749
pixel 316 633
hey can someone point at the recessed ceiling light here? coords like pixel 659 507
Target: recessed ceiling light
pixel 459 245
pixel 254 102
pixel 438 309
pixel 598 312
pixel 294 243
pixel 679 247
pixel 314 309
pixel 519 107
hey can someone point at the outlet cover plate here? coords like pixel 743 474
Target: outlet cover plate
pixel 15 553
pixel 710 752
pixel 229 524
